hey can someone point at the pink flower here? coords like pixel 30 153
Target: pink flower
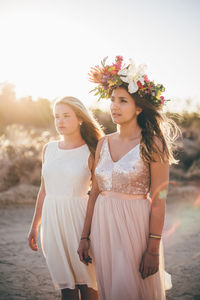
pixel 162 99
pixel 140 86
pixel 146 79
pixel 118 57
pixel 115 71
pixel 118 62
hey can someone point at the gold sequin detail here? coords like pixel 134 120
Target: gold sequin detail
pixel 130 174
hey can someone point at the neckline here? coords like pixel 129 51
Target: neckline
pixel 122 155
pixel 60 149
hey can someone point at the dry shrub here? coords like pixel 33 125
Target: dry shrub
pixel 20 155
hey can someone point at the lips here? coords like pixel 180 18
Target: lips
pixel 116 115
pixel 61 127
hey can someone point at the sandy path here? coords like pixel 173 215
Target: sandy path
pixel 182 248
pixel 24 275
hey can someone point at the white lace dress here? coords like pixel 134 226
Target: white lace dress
pixel 67 178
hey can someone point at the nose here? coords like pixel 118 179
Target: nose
pixel 59 121
pixel 114 106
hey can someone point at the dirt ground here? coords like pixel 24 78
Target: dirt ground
pixel 24 275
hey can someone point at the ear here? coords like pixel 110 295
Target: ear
pixel 80 121
pixel 138 110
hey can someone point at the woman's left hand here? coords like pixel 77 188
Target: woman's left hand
pixel 149 264
pixel 83 250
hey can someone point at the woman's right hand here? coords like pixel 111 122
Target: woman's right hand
pixel 32 238
pixel 83 250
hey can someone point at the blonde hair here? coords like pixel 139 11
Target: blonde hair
pixel 90 129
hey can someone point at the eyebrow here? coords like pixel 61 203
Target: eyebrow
pixel 65 113
pixel 113 97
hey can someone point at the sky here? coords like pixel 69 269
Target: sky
pixel 48 47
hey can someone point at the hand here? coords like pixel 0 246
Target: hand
pixel 82 251
pixel 32 239
pixel 149 264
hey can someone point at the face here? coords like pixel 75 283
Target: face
pixel 123 108
pixel 66 121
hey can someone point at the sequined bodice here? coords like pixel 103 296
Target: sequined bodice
pixel 128 175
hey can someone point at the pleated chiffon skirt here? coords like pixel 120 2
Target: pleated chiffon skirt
pixel 119 236
pixel 60 233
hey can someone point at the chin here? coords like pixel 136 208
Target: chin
pixel 62 131
pixel 117 121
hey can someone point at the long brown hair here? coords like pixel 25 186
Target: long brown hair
pixel 155 124
pixel 90 129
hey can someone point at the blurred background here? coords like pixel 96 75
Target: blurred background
pixel 47 49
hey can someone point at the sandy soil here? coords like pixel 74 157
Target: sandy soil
pixel 24 275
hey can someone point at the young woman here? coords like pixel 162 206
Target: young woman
pixel 62 199
pixel 125 222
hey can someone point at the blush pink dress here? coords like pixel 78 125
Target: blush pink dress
pixel 120 228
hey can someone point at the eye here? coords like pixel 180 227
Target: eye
pixel 124 100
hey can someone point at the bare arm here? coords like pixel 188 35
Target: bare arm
pixel 93 194
pixel 38 207
pixel 159 185
pixel 32 236
pixel 84 243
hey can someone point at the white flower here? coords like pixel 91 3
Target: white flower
pixel 131 75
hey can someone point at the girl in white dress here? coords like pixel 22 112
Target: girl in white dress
pixel 62 199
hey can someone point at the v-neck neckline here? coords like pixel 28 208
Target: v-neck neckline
pixel 122 155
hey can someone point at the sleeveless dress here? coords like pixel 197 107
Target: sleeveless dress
pixel 120 228
pixel 67 179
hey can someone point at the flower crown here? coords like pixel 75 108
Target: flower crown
pixel 109 77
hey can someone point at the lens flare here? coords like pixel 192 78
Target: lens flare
pixel 172 229
pixel 162 190
pixel 197 202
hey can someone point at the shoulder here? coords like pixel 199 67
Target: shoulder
pixel 100 143
pixel 100 146
pixel 47 147
pixel 160 155
pixel 112 136
pixel 102 140
pixel 51 144
pixel 158 143
pixel 106 137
